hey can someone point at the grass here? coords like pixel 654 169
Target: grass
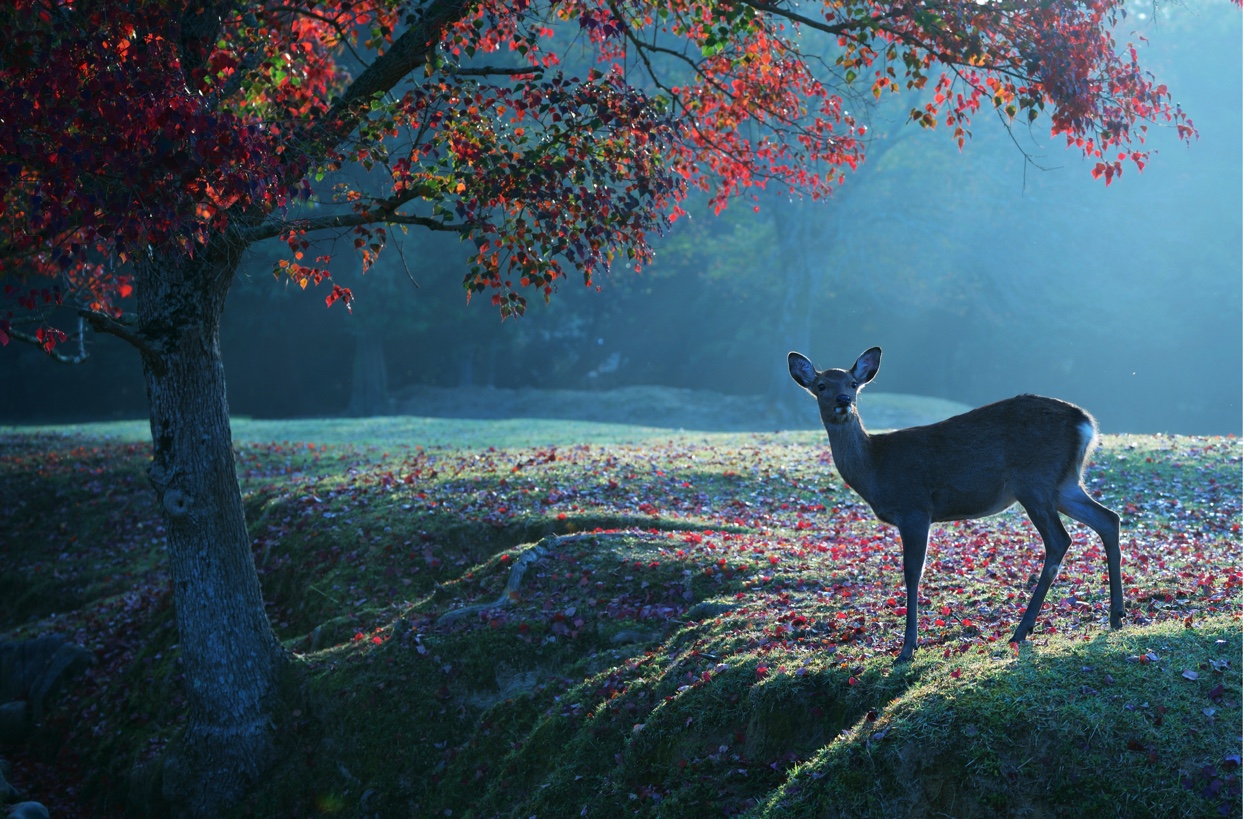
pixel 377 433
pixel 705 625
pixel 1044 733
pixel 590 419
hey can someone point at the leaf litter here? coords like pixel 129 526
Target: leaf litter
pixel 710 558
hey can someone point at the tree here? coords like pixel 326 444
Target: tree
pixel 147 145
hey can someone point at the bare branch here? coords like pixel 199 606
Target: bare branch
pixel 487 71
pixel 406 267
pixel 795 17
pixel 126 329
pixel 343 35
pixel 880 23
pixel 269 230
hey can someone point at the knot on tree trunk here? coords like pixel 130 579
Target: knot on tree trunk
pixel 176 503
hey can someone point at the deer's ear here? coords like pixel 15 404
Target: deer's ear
pixel 801 370
pixel 866 365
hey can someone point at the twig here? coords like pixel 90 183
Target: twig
pixel 51 353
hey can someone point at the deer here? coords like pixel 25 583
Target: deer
pixel 1028 449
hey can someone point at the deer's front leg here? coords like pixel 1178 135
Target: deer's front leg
pixel 914 530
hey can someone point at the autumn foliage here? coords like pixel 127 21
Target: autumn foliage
pixel 559 137
pixel 144 146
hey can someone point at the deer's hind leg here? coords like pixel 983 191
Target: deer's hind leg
pixel 1044 515
pixel 1075 503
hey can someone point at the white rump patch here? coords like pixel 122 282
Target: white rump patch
pixel 1088 439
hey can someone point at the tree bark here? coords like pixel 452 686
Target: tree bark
pixel 231 657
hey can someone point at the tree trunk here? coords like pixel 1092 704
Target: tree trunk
pixel 369 392
pixel 793 329
pixel 466 366
pixel 231 657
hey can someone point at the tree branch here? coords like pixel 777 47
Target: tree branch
pixel 406 267
pixel 795 17
pixel 487 71
pixel 249 61
pixel 54 354
pixel 200 26
pixel 408 52
pixel 125 329
pixel 880 22
pixel 269 230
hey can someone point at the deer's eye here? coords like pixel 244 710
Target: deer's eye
pixel 820 387
pixel 855 385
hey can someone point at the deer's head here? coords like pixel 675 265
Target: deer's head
pixel 835 390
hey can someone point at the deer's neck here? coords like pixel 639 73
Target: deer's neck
pixel 853 456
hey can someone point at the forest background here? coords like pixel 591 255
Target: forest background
pixel 1002 270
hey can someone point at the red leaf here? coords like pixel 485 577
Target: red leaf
pixel 342 293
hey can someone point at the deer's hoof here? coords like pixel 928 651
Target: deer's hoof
pixel 1116 620
pixel 903 657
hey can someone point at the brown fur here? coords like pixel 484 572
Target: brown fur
pixel 1028 449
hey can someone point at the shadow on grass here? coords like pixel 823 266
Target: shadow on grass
pixel 698 723
pixel 621 680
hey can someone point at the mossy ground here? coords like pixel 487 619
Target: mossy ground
pixel 709 629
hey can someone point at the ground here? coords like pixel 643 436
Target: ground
pixel 704 624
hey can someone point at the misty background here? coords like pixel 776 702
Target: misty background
pixel 999 270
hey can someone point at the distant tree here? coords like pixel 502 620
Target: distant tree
pixel 147 145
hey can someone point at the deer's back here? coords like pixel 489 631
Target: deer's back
pixel 982 460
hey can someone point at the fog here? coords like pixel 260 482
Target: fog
pixel 1001 269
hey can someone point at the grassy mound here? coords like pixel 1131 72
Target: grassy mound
pixel 674 625
pixel 1138 723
